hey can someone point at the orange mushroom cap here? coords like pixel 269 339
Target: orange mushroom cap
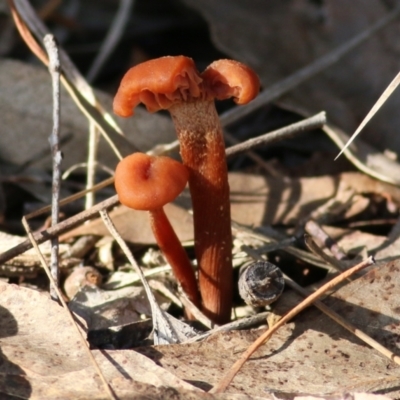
pixel 229 78
pixel 162 82
pixel 157 84
pixel 146 182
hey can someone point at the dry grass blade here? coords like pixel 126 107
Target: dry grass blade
pixel 226 380
pixel 93 146
pixel 62 227
pixel 164 333
pixel 380 102
pixel 65 307
pixel 365 158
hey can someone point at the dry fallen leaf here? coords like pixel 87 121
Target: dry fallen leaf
pixel 42 356
pixel 134 226
pixel 258 200
pixel 311 355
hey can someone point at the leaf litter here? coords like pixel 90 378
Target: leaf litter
pixel 43 357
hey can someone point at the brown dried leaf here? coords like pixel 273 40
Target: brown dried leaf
pixel 134 225
pixel 42 356
pixel 383 248
pixel 257 200
pixel 311 355
pixel 348 396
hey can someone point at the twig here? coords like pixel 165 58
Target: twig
pixel 307 72
pixel 226 380
pixel 66 309
pixel 315 122
pixel 73 197
pixel 312 246
pixel 267 167
pixel 244 323
pixel 93 146
pixel 316 230
pixel 54 68
pixel 58 229
pixel 113 36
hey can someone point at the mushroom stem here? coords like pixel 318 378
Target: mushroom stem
pixel 173 251
pixel 203 152
pixel 146 182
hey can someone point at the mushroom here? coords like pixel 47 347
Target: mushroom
pixel 146 182
pixel 173 83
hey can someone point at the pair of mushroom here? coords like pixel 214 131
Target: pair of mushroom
pixel 173 83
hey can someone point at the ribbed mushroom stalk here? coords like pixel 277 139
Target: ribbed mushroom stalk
pixel 148 183
pixel 173 83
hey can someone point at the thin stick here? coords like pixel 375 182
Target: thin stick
pixel 316 230
pixel 72 198
pixel 307 72
pixel 93 146
pixel 83 216
pixel 244 323
pixel 314 122
pixel 54 68
pixel 58 229
pixel 312 246
pixel 267 167
pixel 226 380
pixel 66 309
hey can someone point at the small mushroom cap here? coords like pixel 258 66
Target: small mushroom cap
pixel 157 84
pixel 229 78
pixel 146 182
